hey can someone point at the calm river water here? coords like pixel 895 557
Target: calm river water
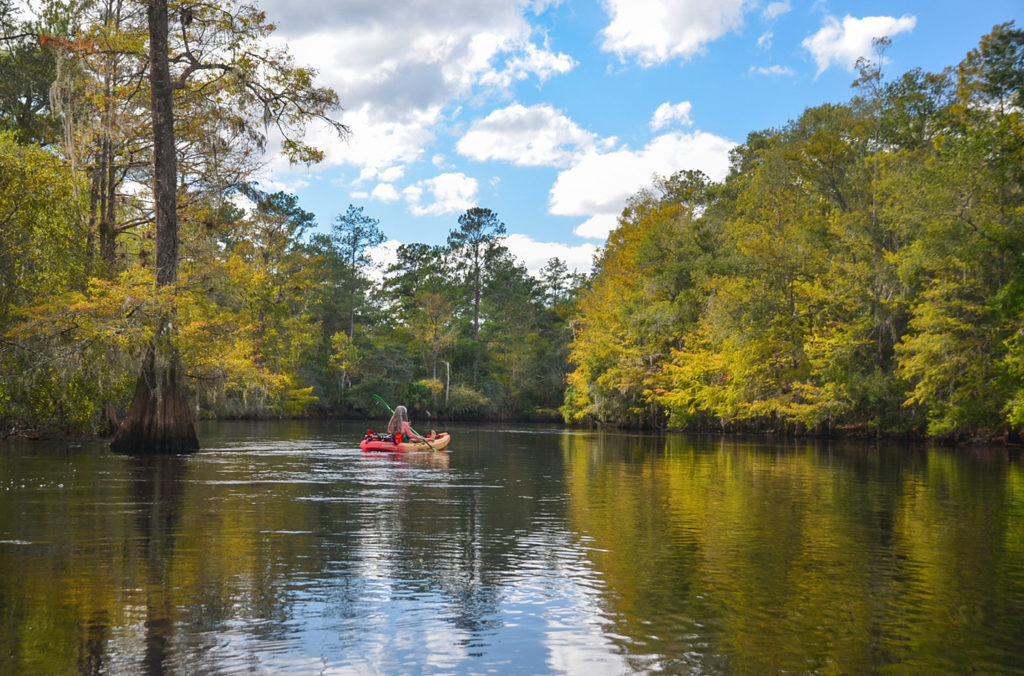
pixel 280 548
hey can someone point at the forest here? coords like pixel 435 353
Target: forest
pixel 859 271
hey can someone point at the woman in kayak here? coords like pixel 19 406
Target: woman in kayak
pixel 399 424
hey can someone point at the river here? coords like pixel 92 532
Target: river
pixel 281 548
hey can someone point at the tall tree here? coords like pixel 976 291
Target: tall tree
pixel 478 234
pixel 353 234
pixel 159 419
pixel 231 90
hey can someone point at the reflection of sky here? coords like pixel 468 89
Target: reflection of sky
pixel 306 558
pixel 412 583
pixel 545 620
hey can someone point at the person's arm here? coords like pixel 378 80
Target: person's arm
pixel 407 432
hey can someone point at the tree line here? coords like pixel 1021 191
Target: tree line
pixel 861 269
pixel 268 315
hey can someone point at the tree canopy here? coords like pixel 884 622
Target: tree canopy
pixel 859 270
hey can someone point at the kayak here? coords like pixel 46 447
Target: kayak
pixel 377 442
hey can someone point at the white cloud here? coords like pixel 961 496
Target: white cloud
pixel 451 192
pixel 535 255
pixel 655 31
pixel 598 186
pixel 380 144
pixel 842 43
pixel 397 66
pixel 536 136
pixel 242 202
pixel 775 9
pixel 540 6
pixel 382 256
pixel 387 175
pixel 278 184
pixel 392 174
pixel 772 70
pixel 597 227
pixel 374 145
pixel 668 113
pixel 765 41
pixel 539 62
pixel 531 253
pixel 385 192
pixel 413 193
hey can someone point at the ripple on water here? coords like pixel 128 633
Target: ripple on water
pixel 521 552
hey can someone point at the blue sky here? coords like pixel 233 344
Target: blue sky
pixel 551 113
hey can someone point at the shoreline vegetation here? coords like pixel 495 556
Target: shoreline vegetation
pixel 978 438
pixel 859 272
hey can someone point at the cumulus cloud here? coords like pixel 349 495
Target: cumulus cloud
pixel 396 66
pixel 535 255
pixel 391 174
pixel 385 192
pixel 598 186
pixel 597 226
pixel 843 42
pixel 450 193
pixel 382 256
pixel 655 31
pixel 536 136
pixel 375 146
pixel 533 62
pixel 668 113
pixel 775 9
pixel 386 175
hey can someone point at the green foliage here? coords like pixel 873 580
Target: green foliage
pixel 860 268
pixel 951 360
pixel 42 225
pixel 71 359
pixel 639 303
pixel 465 401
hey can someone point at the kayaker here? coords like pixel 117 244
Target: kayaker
pixel 399 424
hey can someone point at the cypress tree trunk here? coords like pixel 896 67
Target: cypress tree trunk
pixel 159 419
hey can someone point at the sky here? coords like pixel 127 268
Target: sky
pixel 552 113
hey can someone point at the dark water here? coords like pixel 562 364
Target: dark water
pixel 282 549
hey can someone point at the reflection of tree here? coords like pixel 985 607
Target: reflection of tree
pixel 474 597
pixel 751 559
pixel 157 486
pixel 92 651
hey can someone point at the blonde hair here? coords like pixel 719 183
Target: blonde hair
pixel 395 424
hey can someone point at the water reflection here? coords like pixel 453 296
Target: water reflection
pixel 802 558
pixel 158 488
pixel 284 549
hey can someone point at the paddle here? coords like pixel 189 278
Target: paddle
pixel 381 400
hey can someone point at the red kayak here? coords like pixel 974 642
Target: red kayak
pixel 382 442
